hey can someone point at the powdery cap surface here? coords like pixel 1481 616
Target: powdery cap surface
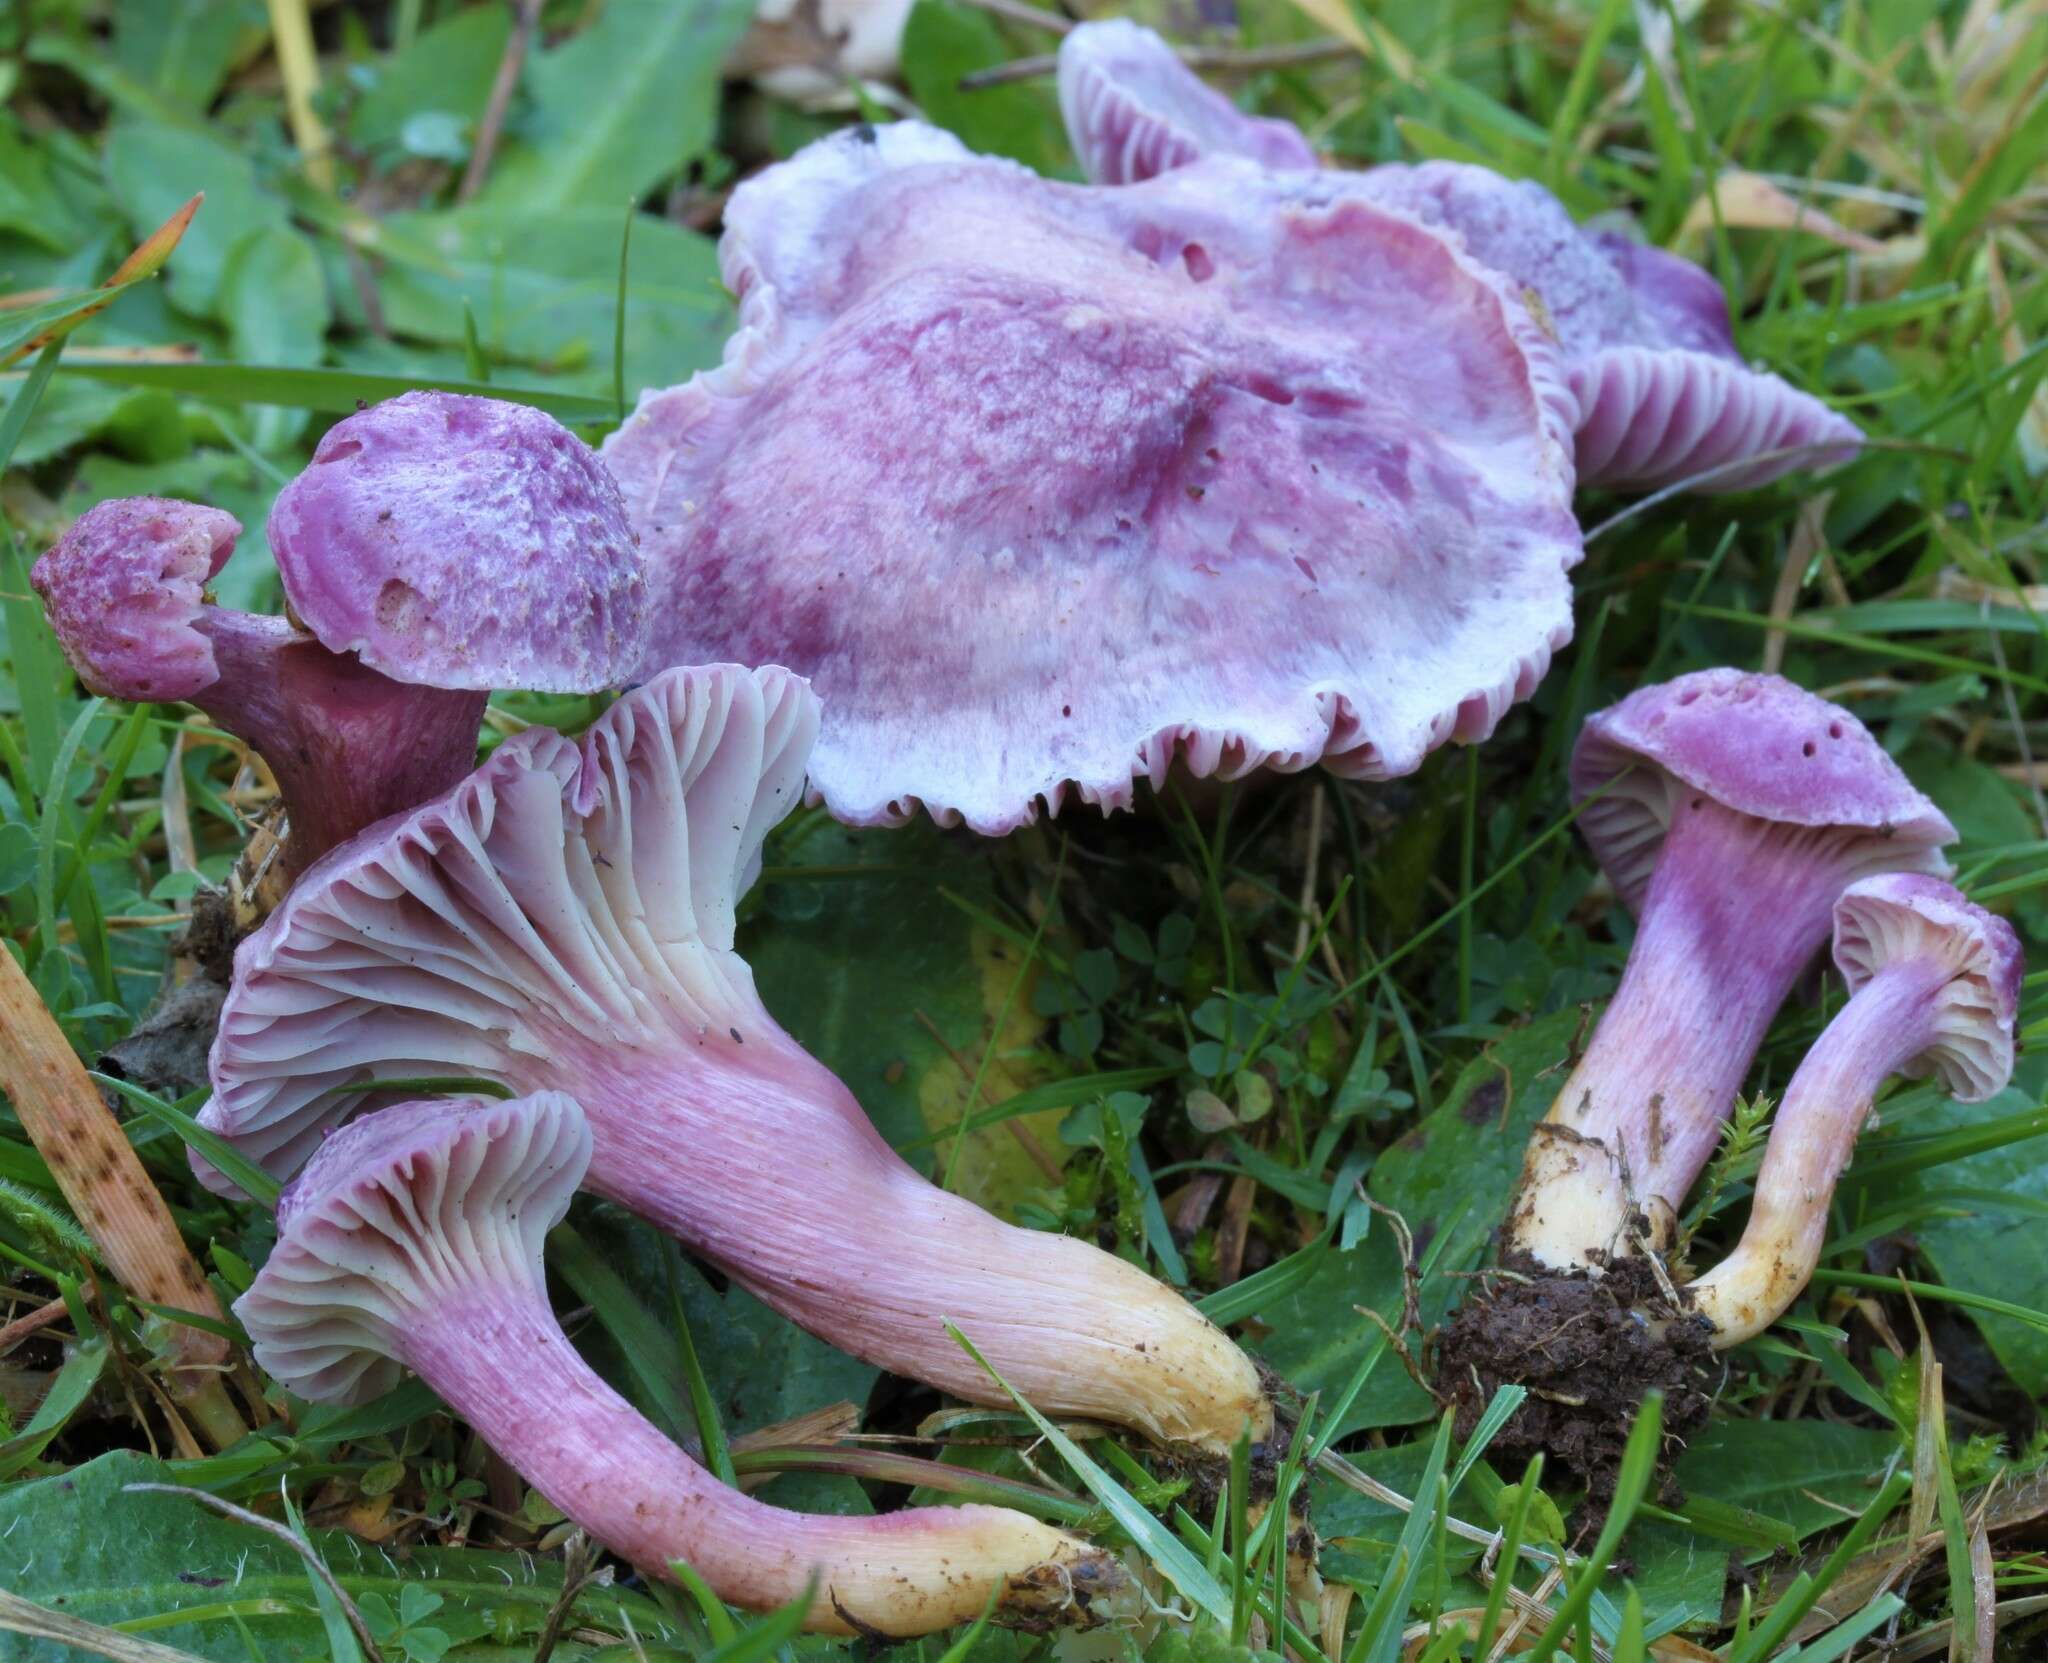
pixel 565 894
pixel 1133 109
pixel 123 589
pixel 1662 394
pixel 1044 486
pixel 1754 743
pixel 1883 920
pixel 400 1211
pixel 464 542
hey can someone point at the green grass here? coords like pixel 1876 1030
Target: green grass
pixel 1346 969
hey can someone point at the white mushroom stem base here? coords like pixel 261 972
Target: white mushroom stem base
pixel 1734 912
pixel 500 1360
pixel 1887 1024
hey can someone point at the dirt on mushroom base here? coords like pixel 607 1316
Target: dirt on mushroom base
pixel 1585 1348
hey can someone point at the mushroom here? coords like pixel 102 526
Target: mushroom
pixel 1730 810
pixel 1662 396
pixel 436 547
pixel 413 1240
pixel 563 920
pixel 1047 487
pixel 1134 110
pixel 1933 989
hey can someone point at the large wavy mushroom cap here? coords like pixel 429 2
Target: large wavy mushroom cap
pixel 1047 487
pixel 1662 396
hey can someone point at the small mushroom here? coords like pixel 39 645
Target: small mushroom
pixel 1730 810
pixel 1048 488
pixel 413 1241
pixel 436 547
pixel 1661 395
pixel 1933 989
pixel 1133 109
pixel 563 920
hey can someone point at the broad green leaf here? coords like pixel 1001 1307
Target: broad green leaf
pixel 154 169
pixel 1999 1252
pixel 1786 1470
pixel 1451 1171
pixel 619 106
pixel 109 1555
pixel 34 203
pixel 944 41
pixel 184 49
pixel 336 391
pixel 448 69
pixel 542 285
pixel 898 992
pixel 273 298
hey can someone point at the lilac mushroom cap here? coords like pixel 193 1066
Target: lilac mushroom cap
pixel 1884 919
pixel 1047 487
pixel 124 589
pixel 1755 744
pixel 1133 109
pixel 1662 396
pixel 454 541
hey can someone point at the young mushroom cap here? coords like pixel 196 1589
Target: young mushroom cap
pixel 1934 986
pixel 1047 487
pixel 1133 109
pixel 1729 810
pixel 124 588
pixel 455 541
pixel 436 547
pixel 563 920
pixel 413 1240
pixel 1660 394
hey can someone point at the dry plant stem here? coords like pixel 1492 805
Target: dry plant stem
pixel 38 1622
pixel 1735 911
pixel 113 1198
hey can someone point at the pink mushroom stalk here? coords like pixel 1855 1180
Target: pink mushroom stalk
pixel 413 1240
pixel 1731 811
pixel 1660 394
pixel 436 547
pixel 1049 489
pixel 563 920
pixel 1933 988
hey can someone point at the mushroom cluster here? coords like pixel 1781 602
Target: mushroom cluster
pixel 1007 491
pixel 436 547
pixel 1742 820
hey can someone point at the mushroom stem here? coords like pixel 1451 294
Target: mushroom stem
pixel 1886 1024
pixel 346 744
pixel 871 1256
pixel 1733 913
pixel 500 1360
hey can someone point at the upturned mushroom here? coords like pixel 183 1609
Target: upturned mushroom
pixel 1933 989
pixel 1050 488
pixel 1661 394
pixel 413 1240
pixel 436 547
pixel 563 919
pixel 1730 811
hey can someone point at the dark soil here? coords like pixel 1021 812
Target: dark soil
pixel 1585 1348
pixel 166 1053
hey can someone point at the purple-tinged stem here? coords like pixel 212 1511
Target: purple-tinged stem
pixel 869 1255
pixel 1884 1026
pixel 1735 911
pixel 346 744
pixel 498 1357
